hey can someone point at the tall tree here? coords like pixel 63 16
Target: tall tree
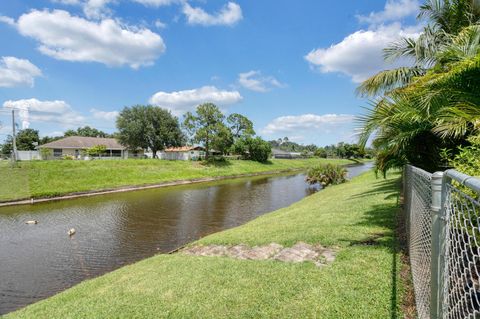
pixel 7 147
pixel 240 125
pixel 27 139
pixel 412 119
pixel 147 126
pixel 445 20
pixel 207 127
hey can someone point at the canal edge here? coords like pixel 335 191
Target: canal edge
pixel 123 189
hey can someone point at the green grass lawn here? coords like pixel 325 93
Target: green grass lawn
pixel 14 182
pixel 52 178
pixel 357 218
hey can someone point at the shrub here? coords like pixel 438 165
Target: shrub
pixel 254 149
pixel 46 153
pixel 68 157
pixel 327 174
pixel 96 150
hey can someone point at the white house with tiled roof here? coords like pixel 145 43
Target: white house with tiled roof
pixel 77 145
pixel 183 153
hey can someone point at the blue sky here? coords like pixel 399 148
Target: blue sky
pixel 290 66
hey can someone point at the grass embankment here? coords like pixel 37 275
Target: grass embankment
pixel 358 218
pixel 53 178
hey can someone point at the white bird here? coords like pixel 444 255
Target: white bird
pixel 31 222
pixel 71 232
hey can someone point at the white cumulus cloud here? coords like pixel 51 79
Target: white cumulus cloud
pixel 96 9
pixel 312 128
pixel 93 9
pixel 7 20
pixel 229 15
pixel 255 81
pixel 394 10
pixel 360 54
pixel 17 72
pixel 313 122
pixel 159 24
pixel 104 115
pixel 66 37
pixel 180 102
pixel 33 110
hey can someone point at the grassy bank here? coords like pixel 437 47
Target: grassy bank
pixel 53 178
pixel 356 218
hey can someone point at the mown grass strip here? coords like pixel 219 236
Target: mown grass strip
pixel 39 179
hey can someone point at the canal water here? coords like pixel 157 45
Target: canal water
pixel 37 261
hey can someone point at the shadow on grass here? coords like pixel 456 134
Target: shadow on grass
pixel 385 216
pixel 268 162
pixel 388 187
pixel 216 162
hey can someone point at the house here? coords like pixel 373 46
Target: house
pixel 183 153
pixel 76 146
pixel 284 154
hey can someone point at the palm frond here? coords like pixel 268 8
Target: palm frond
pixel 388 80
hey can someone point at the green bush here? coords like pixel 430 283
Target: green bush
pixel 254 149
pixel 68 157
pixel 467 160
pixel 96 150
pixel 327 175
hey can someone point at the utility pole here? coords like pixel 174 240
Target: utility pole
pixel 14 137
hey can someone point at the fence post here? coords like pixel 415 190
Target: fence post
pixel 437 244
pixel 406 200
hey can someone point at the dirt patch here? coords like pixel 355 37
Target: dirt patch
pixel 300 252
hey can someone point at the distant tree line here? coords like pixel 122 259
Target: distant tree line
pixel 340 150
pixel 286 145
pixel 345 150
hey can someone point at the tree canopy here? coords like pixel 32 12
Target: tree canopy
pixel 86 131
pixel 253 148
pixel 147 126
pixel 417 112
pixel 26 140
pixel 240 125
pixel 206 126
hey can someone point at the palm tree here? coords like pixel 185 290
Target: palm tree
pixel 435 103
pixel 446 18
pixel 435 111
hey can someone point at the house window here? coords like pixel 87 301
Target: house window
pixel 116 153
pixel 57 152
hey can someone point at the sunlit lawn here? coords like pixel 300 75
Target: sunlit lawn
pixel 51 178
pixel 14 182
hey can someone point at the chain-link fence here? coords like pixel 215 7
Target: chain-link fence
pixel 417 194
pixel 443 232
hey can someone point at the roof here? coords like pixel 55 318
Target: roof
pixel 184 149
pixel 276 151
pixel 81 142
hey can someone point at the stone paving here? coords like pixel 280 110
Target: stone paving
pixel 300 252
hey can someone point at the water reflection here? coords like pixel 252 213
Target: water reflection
pixel 37 261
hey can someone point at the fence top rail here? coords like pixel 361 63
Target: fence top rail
pixel 464 179
pixel 419 170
